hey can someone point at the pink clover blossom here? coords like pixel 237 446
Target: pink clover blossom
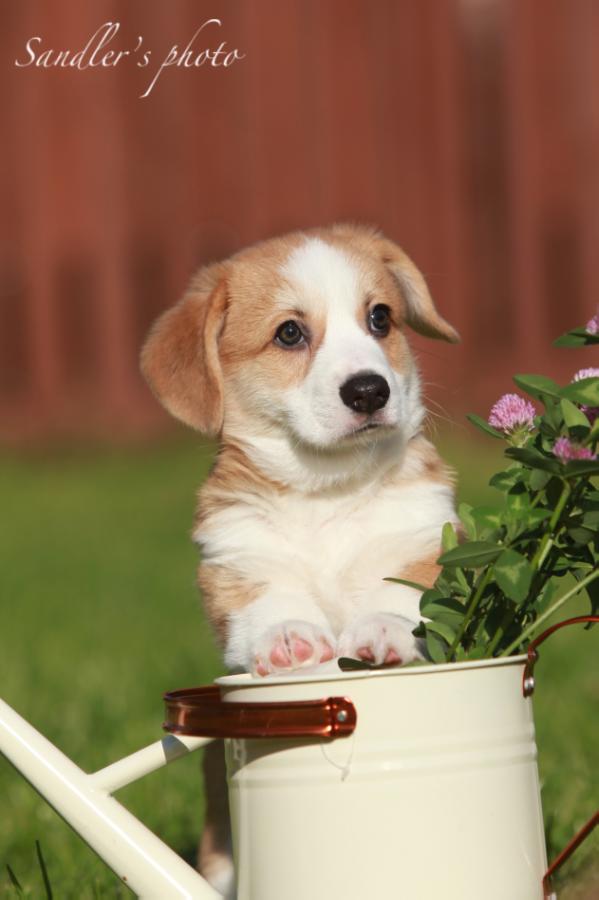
pixel 592 326
pixel 511 413
pixel 565 450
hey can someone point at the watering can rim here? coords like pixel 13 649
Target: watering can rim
pixel 244 679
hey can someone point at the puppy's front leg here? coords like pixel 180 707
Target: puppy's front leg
pixel 278 632
pixel 380 630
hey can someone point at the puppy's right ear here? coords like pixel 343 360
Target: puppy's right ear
pixel 180 358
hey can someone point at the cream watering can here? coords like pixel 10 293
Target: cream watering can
pixel 417 782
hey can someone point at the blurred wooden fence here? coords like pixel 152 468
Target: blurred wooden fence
pixel 469 131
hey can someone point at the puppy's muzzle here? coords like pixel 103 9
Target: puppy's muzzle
pixel 365 393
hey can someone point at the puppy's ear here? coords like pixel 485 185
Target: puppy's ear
pixel 180 358
pixel 421 313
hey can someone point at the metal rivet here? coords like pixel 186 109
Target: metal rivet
pixel 341 715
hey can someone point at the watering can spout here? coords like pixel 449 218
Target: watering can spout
pixel 139 858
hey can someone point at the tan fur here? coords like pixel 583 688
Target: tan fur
pixel 223 592
pixel 434 468
pixel 424 571
pixel 180 359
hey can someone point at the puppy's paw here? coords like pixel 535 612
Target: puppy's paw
pixel 380 638
pixel 291 645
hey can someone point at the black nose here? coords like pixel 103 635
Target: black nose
pixel 365 393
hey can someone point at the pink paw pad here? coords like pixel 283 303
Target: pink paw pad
pixel 301 649
pixel 279 655
pixel 327 651
pixel 392 657
pixel 365 653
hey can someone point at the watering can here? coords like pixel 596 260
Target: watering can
pixel 417 782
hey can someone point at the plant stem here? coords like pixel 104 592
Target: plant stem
pixel 549 612
pixel 480 586
pixel 548 538
pixel 507 618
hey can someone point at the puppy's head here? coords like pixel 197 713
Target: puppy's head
pixel 302 335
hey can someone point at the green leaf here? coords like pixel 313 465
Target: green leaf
pixel 552 421
pixel 592 591
pixel 585 391
pixel 471 554
pixel 517 502
pixel 535 460
pixel 503 481
pixel 574 417
pixel 538 386
pixel 538 479
pixel 535 516
pixel 484 426
pixel 436 647
pixel 475 653
pixel 578 337
pixel 486 517
pixel 591 519
pixel 513 574
pixel 447 610
pixel 581 535
pixel 441 628
pixel 578 467
pixel 465 514
pixel 406 583
pixel 449 538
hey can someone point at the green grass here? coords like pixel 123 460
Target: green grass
pixel 100 616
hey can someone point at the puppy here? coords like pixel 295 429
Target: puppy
pixel 294 353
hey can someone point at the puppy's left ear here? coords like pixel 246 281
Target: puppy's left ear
pixel 421 313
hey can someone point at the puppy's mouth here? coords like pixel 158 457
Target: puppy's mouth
pixel 367 428
pixel 370 426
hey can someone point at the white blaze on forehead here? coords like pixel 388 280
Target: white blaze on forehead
pixel 327 279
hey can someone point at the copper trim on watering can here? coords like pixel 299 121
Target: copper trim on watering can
pixel 202 713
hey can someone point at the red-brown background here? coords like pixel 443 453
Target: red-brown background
pixel 469 131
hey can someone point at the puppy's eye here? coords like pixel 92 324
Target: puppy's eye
pixel 379 320
pixel 289 334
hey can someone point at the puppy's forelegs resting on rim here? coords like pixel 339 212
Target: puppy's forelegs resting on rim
pixel 278 632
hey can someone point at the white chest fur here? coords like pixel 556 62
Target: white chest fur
pixel 337 547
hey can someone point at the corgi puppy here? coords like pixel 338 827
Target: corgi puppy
pixel 294 353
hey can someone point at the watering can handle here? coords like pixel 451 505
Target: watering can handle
pixel 528 681
pixel 201 712
pixel 528 686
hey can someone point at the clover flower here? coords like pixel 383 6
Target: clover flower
pixel 514 416
pixel 592 326
pixel 591 412
pixel 565 450
pixel 586 373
